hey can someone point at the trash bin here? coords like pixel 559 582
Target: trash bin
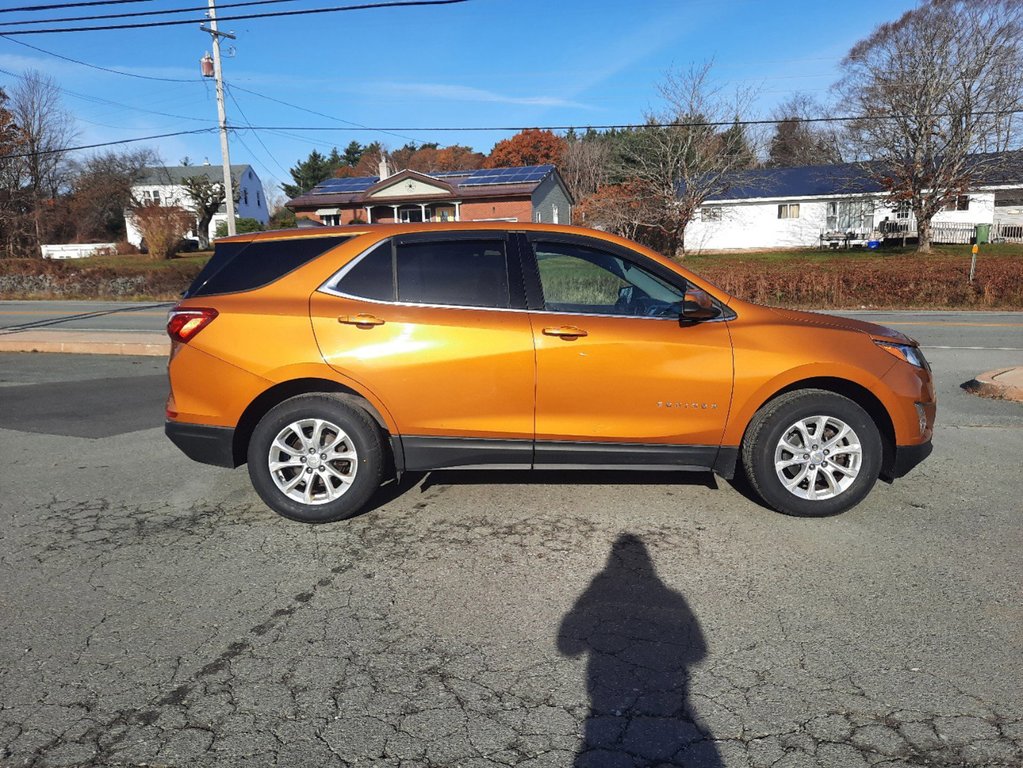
pixel 983 234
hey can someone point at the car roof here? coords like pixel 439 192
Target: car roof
pixel 386 230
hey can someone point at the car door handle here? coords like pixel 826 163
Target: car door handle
pixel 360 320
pixel 565 332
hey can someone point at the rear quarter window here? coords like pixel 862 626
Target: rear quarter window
pixel 237 267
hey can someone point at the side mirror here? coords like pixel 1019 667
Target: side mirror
pixel 697 305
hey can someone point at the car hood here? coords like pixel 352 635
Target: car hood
pixel 843 323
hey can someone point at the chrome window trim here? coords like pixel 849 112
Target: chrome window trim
pixel 325 288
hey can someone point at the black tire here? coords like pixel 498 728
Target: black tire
pixel 840 480
pixel 330 496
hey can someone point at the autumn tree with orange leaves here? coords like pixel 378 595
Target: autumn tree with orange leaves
pixel 432 157
pixel 529 147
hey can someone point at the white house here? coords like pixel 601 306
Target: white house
pixel 163 185
pixel 841 205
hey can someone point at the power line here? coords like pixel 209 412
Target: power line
pixel 340 9
pixel 99 100
pixel 61 6
pixel 634 126
pixel 164 12
pixel 230 92
pixel 106 143
pixel 97 66
pixel 320 114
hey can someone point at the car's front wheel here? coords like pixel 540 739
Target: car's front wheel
pixel 812 453
pixel 316 459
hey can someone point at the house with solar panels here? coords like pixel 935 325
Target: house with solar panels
pixel 531 193
pixel 844 206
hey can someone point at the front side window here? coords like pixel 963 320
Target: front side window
pixel 462 273
pixel 788 211
pixel 585 280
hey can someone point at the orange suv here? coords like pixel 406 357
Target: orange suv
pixel 333 358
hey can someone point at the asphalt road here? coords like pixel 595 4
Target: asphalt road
pixel 155 612
pixel 83 315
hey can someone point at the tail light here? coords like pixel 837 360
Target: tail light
pixel 184 324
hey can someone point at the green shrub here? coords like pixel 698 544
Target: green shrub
pixel 242 225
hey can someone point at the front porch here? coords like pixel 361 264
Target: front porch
pixel 412 213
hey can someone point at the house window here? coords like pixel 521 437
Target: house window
pixel 554 214
pixel 850 216
pixel 904 210
pixel 788 211
pixel 245 196
pixel 259 201
pixel 410 215
pixel 331 220
pixel 538 217
pixel 958 203
pixel 712 213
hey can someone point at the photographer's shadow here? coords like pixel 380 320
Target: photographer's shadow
pixel 641 638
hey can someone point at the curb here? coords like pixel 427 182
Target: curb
pixel 89 343
pixel 999 384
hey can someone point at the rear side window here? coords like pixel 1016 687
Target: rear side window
pixel 372 277
pixel 461 273
pixel 467 273
pixel 244 266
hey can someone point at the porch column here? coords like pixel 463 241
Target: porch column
pixel 422 207
pixel 458 215
pixel 369 214
pixel 395 209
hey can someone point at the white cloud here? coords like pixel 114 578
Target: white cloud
pixel 466 93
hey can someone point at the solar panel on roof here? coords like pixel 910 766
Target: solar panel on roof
pixel 507 175
pixel 339 186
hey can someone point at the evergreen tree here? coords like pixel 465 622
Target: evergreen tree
pixel 310 172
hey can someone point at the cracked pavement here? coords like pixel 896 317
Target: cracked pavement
pixel 156 613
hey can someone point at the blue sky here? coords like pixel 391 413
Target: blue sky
pixel 481 63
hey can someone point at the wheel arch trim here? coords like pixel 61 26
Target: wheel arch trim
pixel 305 385
pixel 861 395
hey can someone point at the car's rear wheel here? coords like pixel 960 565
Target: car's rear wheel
pixel 316 459
pixel 812 453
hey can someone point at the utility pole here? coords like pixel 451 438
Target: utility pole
pixel 221 115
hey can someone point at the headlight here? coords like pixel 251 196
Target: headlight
pixel 904 352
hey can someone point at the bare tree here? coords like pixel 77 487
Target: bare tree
pixel 798 141
pixel 680 166
pixel 206 196
pixel 162 227
pixel 101 192
pixel 934 89
pixel 12 199
pixel 47 131
pixel 585 164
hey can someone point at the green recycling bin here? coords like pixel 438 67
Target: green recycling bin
pixel 983 233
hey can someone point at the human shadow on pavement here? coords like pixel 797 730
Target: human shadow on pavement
pixel 642 638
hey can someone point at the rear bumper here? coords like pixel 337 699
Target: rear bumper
pixel 209 445
pixel 906 458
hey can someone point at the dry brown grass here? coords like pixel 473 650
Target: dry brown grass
pixel 885 280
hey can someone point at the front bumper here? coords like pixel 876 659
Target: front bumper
pixel 906 458
pixel 209 445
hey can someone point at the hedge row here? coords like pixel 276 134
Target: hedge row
pixel 903 280
pixel 934 282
